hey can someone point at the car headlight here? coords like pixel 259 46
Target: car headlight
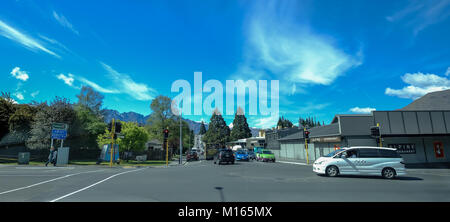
pixel 318 162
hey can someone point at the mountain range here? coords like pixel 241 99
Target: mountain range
pixel 141 119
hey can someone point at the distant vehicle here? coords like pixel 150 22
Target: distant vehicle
pixel 257 149
pixel 251 155
pixel 236 147
pixel 224 156
pixel 242 155
pixel 211 153
pixel 385 162
pixel 192 155
pixel 265 156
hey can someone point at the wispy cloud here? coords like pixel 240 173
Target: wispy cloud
pixel 366 110
pixel 34 94
pixel 64 22
pixel 125 84
pixel 292 52
pixel 419 84
pixel 96 86
pixel 19 74
pixel 26 41
pixel 265 122
pixel 418 15
pixel 19 95
pixel 447 73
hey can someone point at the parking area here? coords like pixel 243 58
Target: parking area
pixel 204 181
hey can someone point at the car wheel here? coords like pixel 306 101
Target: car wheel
pixel 332 171
pixel 388 173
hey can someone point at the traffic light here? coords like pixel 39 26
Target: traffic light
pixel 118 127
pixel 166 133
pixel 375 131
pixel 306 134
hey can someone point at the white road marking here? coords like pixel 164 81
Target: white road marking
pixel 101 181
pixel 47 181
pixel 41 168
pixel 304 164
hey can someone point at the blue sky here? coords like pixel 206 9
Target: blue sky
pixel 330 57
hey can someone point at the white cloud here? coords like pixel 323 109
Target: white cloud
pixel 447 73
pixel 292 52
pixel 231 125
pixel 96 86
pixel 28 42
pixel 125 84
pixel 68 80
pixel 419 84
pixel 19 95
pixel 366 110
pixel 18 74
pixel 64 22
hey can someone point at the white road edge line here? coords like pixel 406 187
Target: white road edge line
pixel 47 181
pixel 101 181
pixel 304 164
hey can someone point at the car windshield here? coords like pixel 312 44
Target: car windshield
pixel 333 153
pixel 267 152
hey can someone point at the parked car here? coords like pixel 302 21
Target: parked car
pixel 242 155
pixel 224 156
pixel 385 162
pixel 265 156
pixel 251 155
pixel 192 155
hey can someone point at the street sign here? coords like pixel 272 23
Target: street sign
pixel 59 134
pixel 60 126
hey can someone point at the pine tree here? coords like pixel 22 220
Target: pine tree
pixel 218 133
pixel 240 129
pixel 202 129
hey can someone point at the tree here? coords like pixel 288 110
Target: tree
pixel 202 129
pixel 218 132
pixel 284 123
pixel 134 137
pixel 7 109
pixel 59 111
pixel 240 129
pixel 89 121
pixel 22 118
pixel 308 122
pixel 162 118
pixel 91 99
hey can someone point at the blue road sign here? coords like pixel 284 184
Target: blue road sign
pixel 59 134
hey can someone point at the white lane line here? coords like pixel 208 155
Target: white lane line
pixel 41 168
pixel 304 164
pixel 47 181
pixel 101 181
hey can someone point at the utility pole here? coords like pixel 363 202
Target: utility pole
pixel 181 142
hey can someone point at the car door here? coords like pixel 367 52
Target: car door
pixel 348 163
pixel 370 161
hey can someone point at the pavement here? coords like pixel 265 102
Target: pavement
pixel 199 181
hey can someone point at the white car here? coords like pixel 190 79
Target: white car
pixel 361 161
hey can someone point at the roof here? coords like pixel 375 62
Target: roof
pixel 439 100
pixel 413 122
pixel 294 136
pixel 326 130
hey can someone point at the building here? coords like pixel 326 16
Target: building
pixel 248 143
pixel 154 145
pixel 421 137
pixel 272 136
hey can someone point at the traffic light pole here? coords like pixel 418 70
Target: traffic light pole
pixel 113 129
pixel 378 125
pixel 306 147
pixel 181 143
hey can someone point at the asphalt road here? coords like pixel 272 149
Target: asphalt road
pixel 205 181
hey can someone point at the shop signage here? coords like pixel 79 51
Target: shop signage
pixel 409 148
pixel 330 139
